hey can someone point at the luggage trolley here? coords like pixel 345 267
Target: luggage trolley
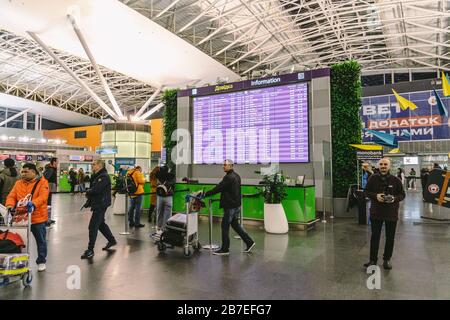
pixel 15 266
pixel 181 230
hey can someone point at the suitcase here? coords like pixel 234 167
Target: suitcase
pixel 178 221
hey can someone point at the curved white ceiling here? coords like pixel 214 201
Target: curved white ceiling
pixel 120 39
pixel 60 115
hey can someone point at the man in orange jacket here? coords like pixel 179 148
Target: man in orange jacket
pixel 134 213
pixel 39 217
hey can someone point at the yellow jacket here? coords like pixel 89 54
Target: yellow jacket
pixel 139 180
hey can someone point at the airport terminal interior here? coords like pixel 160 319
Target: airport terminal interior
pixel 224 150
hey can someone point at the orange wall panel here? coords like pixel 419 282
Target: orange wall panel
pixel 92 140
pixel 157 134
pixel 93 135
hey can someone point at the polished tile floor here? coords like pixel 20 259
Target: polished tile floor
pixel 325 263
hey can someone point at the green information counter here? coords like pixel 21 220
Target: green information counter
pixel 299 205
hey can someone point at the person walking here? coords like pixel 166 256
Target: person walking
pixel 401 177
pixel 80 178
pixel 134 212
pixel 164 199
pixel 50 174
pixel 366 173
pixel 99 199
pixel 424 173
pixel 72 180
pixel 386 192
pixel 8 178
pixel 31 183
pixel 412 179
pixel 230 201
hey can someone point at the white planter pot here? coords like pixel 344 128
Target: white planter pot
pixel 275 220
pixel 119 204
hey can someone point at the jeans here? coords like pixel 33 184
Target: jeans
pixel 82 187
pixel 150 212
pixel 98 223
pixel 134 213
pixel 163 210
pixel 51 188
pixel 231 217
pixel 376 226
pixel 39 233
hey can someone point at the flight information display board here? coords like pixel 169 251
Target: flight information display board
pixel 254 126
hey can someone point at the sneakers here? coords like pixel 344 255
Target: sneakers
pixel 250 247
pixel 221 252
pixel 370 263
pixel 87 254
pixel 131 224
pixel 41 267
pixel 140 225
pixel 110 244
pixel 387 265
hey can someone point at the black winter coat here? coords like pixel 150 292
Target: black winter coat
pixel 99 193
pixel 384 184
pixel 230 188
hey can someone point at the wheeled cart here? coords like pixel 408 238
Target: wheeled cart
pixel 15 266
pixel 181 230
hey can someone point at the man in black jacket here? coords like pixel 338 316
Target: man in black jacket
pixel 386 192
pixel 52 177
pixel 99 199
pixel 230 201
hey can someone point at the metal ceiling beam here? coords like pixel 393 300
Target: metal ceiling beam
pixel 74 76
pixel 4 122
pixel 151 111
pixel 147 103
pixel 95 65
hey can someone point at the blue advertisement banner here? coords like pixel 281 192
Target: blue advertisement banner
pixel 382 113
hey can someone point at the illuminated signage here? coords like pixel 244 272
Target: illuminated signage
pixel 223 87
pixel 106 150
pixel 76 158
pixel 265 81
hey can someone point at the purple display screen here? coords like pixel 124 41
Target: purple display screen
pixel 265 125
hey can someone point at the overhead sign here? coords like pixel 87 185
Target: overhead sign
pixel 4 156
pixel 76 158
pixel 383 114
pixel 20 157
pixel 28 157
pixel 254 83
pixel 106 150
pixel 88 158
pixel 437 190
pixel 369 155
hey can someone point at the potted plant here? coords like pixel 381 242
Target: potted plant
pixel 274 191
pixel 119 206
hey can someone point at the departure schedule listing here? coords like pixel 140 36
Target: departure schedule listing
pixel 254 126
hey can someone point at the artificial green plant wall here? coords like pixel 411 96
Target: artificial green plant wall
pixel 169 123
pixel 345 124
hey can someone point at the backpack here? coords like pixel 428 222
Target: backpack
pixel 10 242
pixel 130 185
pixel 163 190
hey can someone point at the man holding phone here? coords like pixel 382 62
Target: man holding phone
pixel 386 191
